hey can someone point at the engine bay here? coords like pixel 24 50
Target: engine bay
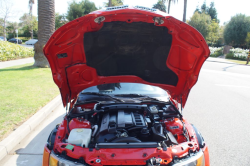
pixel 94 131
pixel 131 125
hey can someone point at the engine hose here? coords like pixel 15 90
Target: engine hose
pixel 95 127
pixel 185 133
pixel 67 119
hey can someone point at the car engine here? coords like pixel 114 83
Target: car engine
pixel 133 125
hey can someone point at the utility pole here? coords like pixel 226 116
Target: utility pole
pixel 17 35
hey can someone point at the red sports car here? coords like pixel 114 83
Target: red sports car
pixel 124 74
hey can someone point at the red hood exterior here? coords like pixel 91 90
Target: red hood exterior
pixel 66 53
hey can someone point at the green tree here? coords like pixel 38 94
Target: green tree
pixel 31 3
pixel 60 20
pixel 79 9
pixel 201 22
pixel 30 23
pixel 248 39
pixel 25 30
pixel 5 13
pixel 1 27
pixel 160 5
pixel 236 30
pixel 113 3
pixel 11 28
pixel 46 27
pixel 220 41
pixel 204 8
pixel 213 35
pixel 211 10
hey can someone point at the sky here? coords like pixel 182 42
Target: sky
pixel 225 8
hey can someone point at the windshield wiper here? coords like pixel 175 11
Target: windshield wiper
pixel 100 94
pixel 130 95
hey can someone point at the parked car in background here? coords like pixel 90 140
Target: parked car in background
pixel 31 42
pixel 2 38
pixel 16 41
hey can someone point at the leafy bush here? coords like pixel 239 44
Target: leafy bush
pixel 230 55
pixel 237 53
pixel 215 51
pixel 10 51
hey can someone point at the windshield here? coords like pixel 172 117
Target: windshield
pixel 128 88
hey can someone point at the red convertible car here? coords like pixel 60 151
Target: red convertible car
pixel 124 74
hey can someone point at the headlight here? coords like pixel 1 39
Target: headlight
pixel 55 160
pixel 196 160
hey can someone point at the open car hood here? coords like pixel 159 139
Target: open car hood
pixel 126 44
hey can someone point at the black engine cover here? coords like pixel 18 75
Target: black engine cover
pixel 117 121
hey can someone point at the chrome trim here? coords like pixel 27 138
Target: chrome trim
pixel 190 159
pixel 146 8
pixel 116 7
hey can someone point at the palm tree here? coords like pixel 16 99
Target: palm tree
pixel 160 5
pixel 113 3
pixel 31 3
pixel 46 27
pixel 169 4
pixel 185 11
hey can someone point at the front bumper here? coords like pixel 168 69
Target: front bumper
pixel 199 159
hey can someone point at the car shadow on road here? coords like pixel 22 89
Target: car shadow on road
pixel 30 67
pixel 33 152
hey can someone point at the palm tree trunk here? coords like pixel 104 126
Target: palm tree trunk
pixel 110 3
pixel 46 27
pixel 169 3
pixel 185 11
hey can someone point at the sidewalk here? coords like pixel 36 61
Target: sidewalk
pixel 16 62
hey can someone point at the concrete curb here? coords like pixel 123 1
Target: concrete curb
pixel 227 62
pixel 22 131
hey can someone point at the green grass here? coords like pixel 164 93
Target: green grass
pixel 238 61
pixel 23 91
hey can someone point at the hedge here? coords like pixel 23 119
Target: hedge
pixel 10 51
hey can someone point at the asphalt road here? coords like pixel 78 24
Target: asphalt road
pixel 218 105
